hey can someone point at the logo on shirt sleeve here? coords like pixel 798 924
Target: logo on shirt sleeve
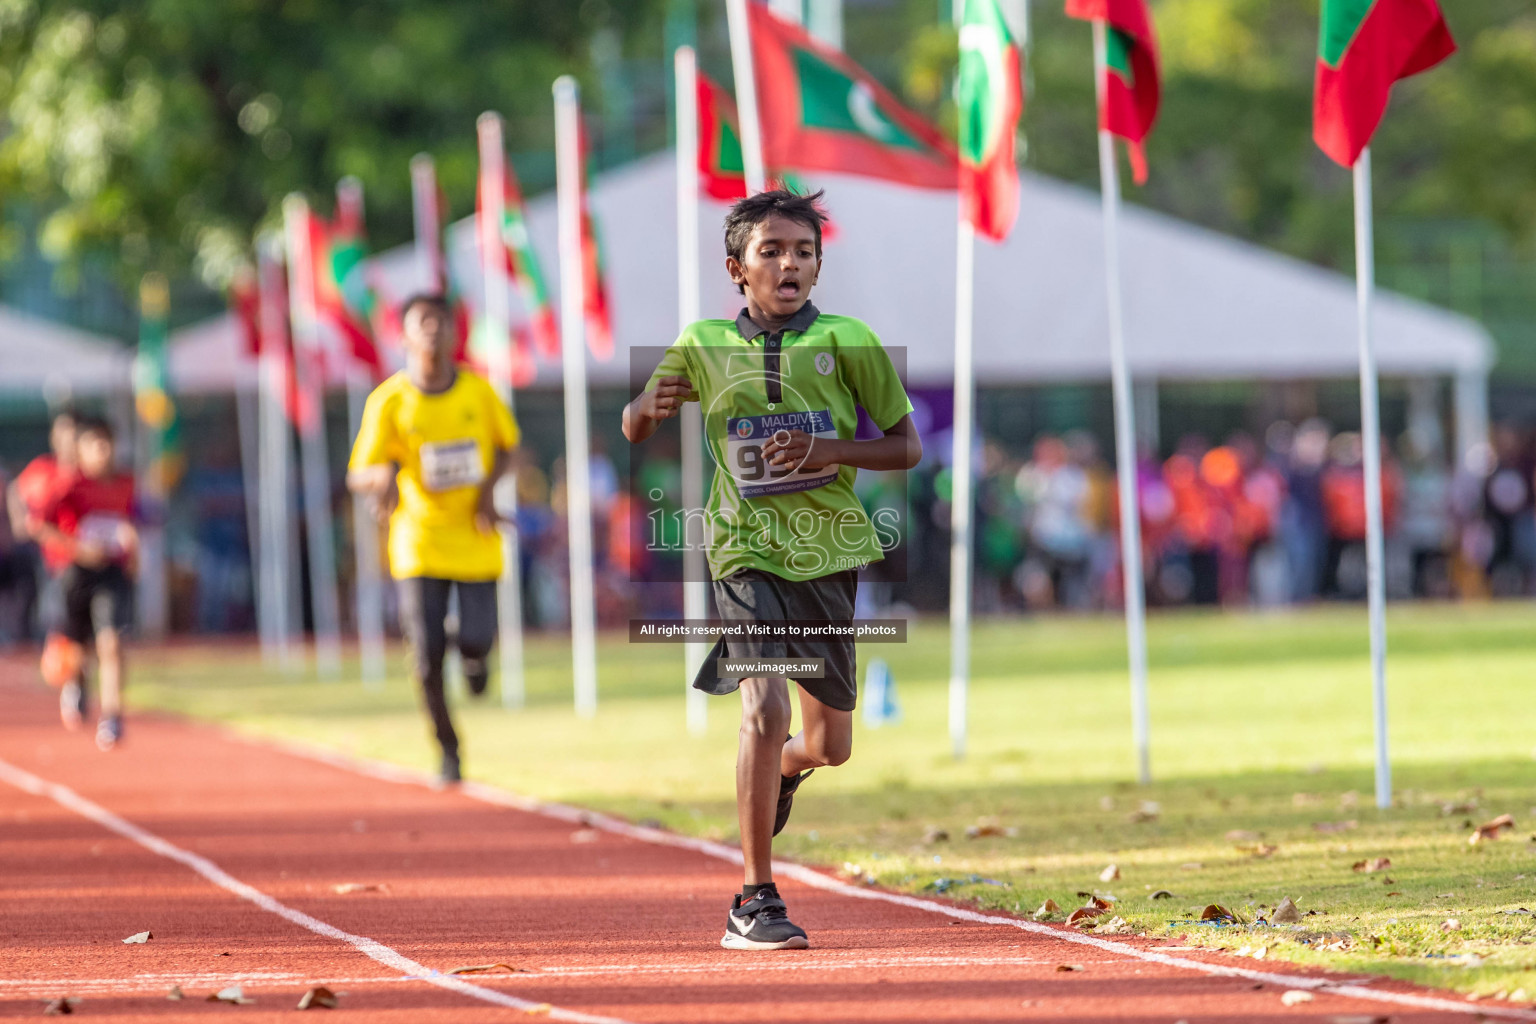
pixel 825 363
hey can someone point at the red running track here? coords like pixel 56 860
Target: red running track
pixel 230 852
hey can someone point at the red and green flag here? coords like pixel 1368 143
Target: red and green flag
pixel 522 264
pixel 1364 47
pixel 722 169
pixel 594 304
pixel 344 297
pixel 819 111
pixel 991 98
pixel 1131 90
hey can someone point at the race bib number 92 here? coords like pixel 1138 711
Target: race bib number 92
pixel 754 476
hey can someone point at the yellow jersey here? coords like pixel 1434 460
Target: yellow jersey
pixel 444 445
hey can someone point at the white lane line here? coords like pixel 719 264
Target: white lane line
pixel 484 793
pixel 68 798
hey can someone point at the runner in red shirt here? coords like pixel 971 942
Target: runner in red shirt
pixel 89 539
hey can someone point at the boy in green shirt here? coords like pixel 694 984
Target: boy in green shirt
pixel 780 388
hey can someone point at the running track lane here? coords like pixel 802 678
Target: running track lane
pixel 229 851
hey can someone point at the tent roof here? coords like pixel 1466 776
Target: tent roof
pixel 43 355
pixel 1198 304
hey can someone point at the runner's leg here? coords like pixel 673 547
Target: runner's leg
pixel 765 716
pixel 825 737
pixel 477 631
pixel 423 609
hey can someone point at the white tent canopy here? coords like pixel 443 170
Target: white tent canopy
pixel 40 356
pixel 1199 305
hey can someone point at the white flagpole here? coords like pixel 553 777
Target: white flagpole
pixel 247 420
pixel 826 21
pixel 1370 430
pixel 695 587
pixel 428 222
pixel 368 572
pixel 789 10
pixel 573 355
pixel 746 95
pixel 276 551
pixel 315 461
pixel 1125 434
pixel 509 586
pixel 960 496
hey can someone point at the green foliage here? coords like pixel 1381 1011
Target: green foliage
pixel 160 132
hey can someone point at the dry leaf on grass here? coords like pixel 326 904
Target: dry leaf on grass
pixel 1110 874
pixel 1373 865
pixel 1491 829
pixel 1261 953
pixel 1328 827
pixel 487 968
pixel 59 1007
pixel 1295 997
pixel 1082 914
pixel 234 995
pixel 1450 924
pixel 1115 926
pixel 1217 912
pixel 984 829
pixel 175 994
pixel 318 998
pixel 348 888
pixel 1069 967
pixel 140 937
pixel 1046 910
pixel 1286 912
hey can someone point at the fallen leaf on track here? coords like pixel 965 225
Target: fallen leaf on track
pixel 1110 874
pixel 1046 909
pixel 318 998
pixel 1373 865
pixel 542 1010
pixel 59 1007
pixel 348 888
pixel 1069 967
pixel 1295 997
pixel 175 994
pixel 1286 912
pixel 234 994
pixel 487 968
pixel 138 938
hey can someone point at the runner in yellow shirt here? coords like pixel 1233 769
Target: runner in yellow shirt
pixel 434 440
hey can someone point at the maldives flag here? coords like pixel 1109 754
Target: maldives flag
pixel 1130 93
pixel 991 99
pixel 820 111
pixel 343 296
pixel 522 264
pixel 245 304
pixel 722 170
pixel 1365 46
pixel 594 304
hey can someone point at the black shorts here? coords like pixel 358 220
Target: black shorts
pixel 93 600
pixel 752 595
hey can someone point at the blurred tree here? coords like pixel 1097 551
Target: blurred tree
pixel 158 133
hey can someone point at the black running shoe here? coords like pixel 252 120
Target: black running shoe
pixel 477 675
pixel 787 786
pixel 762 923
pixel 109 732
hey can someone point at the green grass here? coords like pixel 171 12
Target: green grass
pixel 1260 722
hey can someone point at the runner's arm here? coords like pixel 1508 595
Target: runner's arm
pixel 900 448
pixel 486 516
pixel 374 481
pixel 664 401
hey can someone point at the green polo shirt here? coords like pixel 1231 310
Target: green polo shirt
pixel 811 376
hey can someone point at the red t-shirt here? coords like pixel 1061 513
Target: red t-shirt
pixel 93 510
pixel 40 486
